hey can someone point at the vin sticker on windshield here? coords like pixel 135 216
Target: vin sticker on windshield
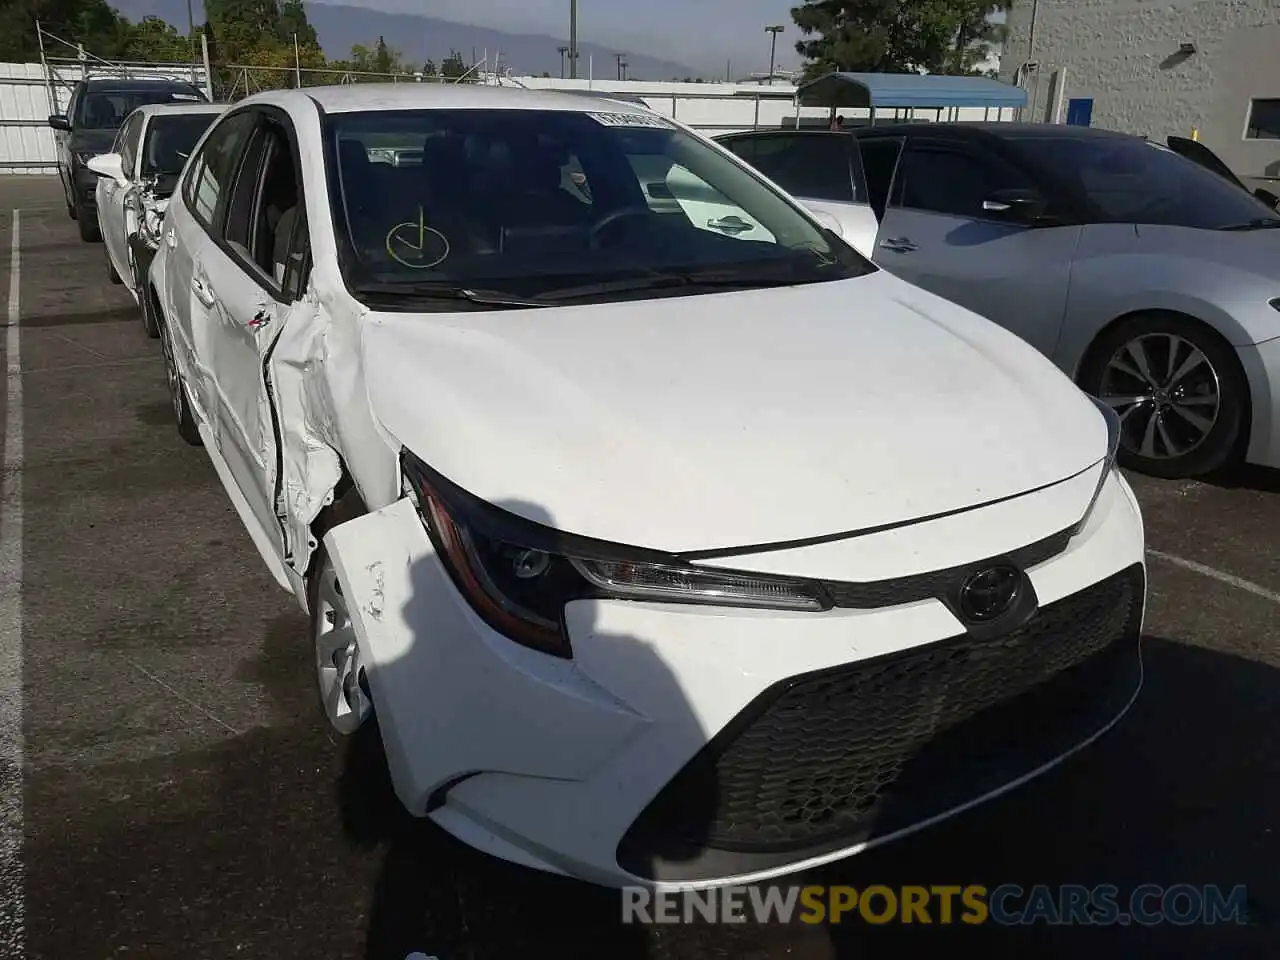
pixel 631 120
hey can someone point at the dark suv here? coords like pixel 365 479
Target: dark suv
pixel 98 108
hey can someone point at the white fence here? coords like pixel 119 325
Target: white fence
pixel 715 108
pixel 28 96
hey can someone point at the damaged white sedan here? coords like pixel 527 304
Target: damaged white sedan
pixel 670 548
pixel 135 181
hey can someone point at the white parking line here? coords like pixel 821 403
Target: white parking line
pixel 1220 575
pixel 11 746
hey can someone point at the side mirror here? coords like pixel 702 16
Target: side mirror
pixel 108 165
pixel 1267 197
pixel 1021 206
pixel 59 121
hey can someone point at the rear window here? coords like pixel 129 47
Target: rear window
pixel 814 166
pixel 170 141
pixel 107 109
pixel 1135 181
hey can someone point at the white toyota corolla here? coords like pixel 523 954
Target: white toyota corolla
pixel 671 548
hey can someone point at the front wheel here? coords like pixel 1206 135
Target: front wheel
pixel 340 681
pixel 87 222
pixel 1179 390
pixel 185 419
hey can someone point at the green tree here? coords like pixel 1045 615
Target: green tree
pixel 91 22
pixel 156 41
pixel 386 60
pixel 293 21
pixel 896 36
pixel 453 66
pixel 429 69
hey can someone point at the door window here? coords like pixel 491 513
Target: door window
pixel 952 180
pixel 207 186
pixel 815 166
pixel 880 161
pixel 263 206
pixel 128 144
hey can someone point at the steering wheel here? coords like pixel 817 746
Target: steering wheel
pixel 610 218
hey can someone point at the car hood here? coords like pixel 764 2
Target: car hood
pixel 731 419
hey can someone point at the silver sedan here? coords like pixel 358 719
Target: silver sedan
pixel 1146 272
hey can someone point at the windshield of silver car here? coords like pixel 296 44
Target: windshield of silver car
pixel 525 207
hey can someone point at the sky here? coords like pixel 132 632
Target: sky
pixel 701 33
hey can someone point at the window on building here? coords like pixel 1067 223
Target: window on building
pixel 1264 120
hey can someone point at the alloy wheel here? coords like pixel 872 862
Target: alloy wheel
pixel 337 656
pixel 1166 392
pixel 172 378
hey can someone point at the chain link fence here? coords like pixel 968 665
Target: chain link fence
pixel 234 82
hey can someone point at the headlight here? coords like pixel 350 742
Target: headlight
pixel 518 575
pixel 1109 461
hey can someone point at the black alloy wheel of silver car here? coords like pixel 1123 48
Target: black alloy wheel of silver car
pixel 182 414
pixel 1179 390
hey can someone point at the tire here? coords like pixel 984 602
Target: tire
pixel 89 230
pixel 183 416
pixel 150 322
pixel 342 692
pixel 112 275
pixel 71 209
pixel 1187 425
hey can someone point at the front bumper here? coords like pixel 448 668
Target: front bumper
pixel 1261 364
pixel 86 187
pixel 693 746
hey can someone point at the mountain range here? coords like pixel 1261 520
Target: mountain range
pixel 428 38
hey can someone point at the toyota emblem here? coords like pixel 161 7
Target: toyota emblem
pixel 989 593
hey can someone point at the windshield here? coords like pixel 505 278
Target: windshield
pixel 107 109
pixel 1136 181
pixel 170 141
pixel 531 202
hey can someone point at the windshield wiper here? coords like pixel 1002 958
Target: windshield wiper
pixel 734 280
pixel 1261 223
pixel 443 291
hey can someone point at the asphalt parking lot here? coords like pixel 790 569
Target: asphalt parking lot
pixel 181 797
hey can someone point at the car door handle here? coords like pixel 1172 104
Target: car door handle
pixel 200 287
pixel 729 225
pixel 898 244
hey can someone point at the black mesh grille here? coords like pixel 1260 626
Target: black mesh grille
pixel 833 758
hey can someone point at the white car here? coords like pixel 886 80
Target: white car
pixel 135 180
pixel 822 170
pixel 665 556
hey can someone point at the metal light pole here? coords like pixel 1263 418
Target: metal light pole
pixel 773 46
pixel 573 39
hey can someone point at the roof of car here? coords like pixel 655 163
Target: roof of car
pixel 185 108
pixel 995 128
pixel 353 97
pixel 137 83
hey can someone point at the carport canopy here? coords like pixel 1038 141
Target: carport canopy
pixel 877 91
